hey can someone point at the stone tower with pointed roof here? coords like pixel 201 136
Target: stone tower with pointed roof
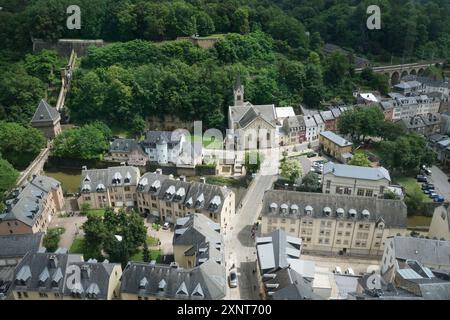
pixel 47 120
pixel 238 91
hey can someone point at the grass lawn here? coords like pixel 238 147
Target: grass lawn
pixel 208 143
pixel 77 246
pixel 97 212
pixel 154 255
pixel 413 187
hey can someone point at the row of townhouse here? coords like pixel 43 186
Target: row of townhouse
pixel 198 272
pixel 440 144
pixel 308 127
pixel 399 106
pixel 154 194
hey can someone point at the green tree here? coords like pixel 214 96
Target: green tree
pixel 8 176
pixel 290 169
pixel 240 21
pixel 205 25
pixel 145 253
pixel 252 161
pixel 310 183
pixel 52 238
pixel 360 159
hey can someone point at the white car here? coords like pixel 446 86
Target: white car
pixel 166 226
pixel 233 279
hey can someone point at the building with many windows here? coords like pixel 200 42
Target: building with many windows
pixel 112 187
pixel 355 180
pixel 169 199
pixel 334 223
pixel 31 208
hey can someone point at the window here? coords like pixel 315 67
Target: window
pixel 345 242
pixel 127 188
pixel 308 239
pixel 292 230
pixel 328 184
pixel 310 223
pixel 25 294
pixel 283 220
pixel 327 233
pixel 360 192
pixel 292 221
pixel 349 225
pixel 43 295
pixel 322 223
pixel 341 224
pixel 339 190
pixel 361 226
pixel 168 204
pixel 19 295
pixel 329 224
pixel 347 191
pixel 339 233
pixel 381 189
pixel 321 232
pixel 367 226
pixel 347 234
pixel 153 205
pixel 369 193
pixel 320 240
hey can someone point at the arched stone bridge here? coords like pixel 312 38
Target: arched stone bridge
pixel 396 72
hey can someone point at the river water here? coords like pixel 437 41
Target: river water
pixel 69 178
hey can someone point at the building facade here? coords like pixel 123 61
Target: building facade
pixel 169 199
pixel 31 208
pixel 128 151
pixel 333 224
pixel 112 187
pixel 334 145
pixel 355 180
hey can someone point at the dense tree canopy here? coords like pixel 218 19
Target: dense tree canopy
pixel 8 176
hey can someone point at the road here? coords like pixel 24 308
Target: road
pixel 440 181
pixel 239 245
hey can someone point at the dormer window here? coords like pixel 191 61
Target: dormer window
pixel 284 208
pixel 215 203
pixel 155 186
pixel 366 214
pixel 294 209
pixel 200 200
pixel 101 187
pixel 181 192
pixel 352 213
pixel 86 188
pixel 327 211
pixel 169 192
pixel 189 202
pixel 127 178
pixel 87 178
pixel 182 290
pixel 308 210
pixel 162 285
pixel 143 283
pixel 117 178
pixel 273 207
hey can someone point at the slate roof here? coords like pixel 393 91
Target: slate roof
pixel 284 112
pixel 45 113
pixel 124 146
pixel 391 212
pixel 309 121
pixel 150 179
pixel 425 251
pixel 202 234
pixel 294 122
pixel 275 250
pixel 94 280
pixel 18 245
pixel 356 172
pixel 318 119
pixel 95 180
pixel 245 114
pixel 35 272
pixel 204 282
pixel 27 206
pixel 289 285
pixel 171 138
pixel 327 115
pixel 336 139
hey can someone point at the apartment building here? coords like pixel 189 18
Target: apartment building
pixel 335 145
pixel 170 199
pixel 295 130
pixel 354 180
pixel 399 106
pixel 62 276
pixel 112 187
pixel 31 208
pixel 127 150
pixel 334 223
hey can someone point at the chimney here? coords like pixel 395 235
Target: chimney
pixel 183 178
pixel 202 179
pixel 158 171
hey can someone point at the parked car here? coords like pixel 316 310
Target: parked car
pixel 439 199
pixel 428 191
pixel 424 186
pixel 233 279
pixel 433 195
pixel 430 186
pixel 311 155
pixel 166 226
pixel 421 178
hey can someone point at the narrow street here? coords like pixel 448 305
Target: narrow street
pixel 240 247
pixel 440 181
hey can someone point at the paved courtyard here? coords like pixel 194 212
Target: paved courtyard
pixel 72 226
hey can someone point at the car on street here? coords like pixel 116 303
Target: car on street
pixel 433 195
pixel 166 226
pixel 428 191
pixel 232 279
pixel 421 178
pixel 427 186
pixel 311 155
pixel 439 199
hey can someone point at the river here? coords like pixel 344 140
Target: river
pixel 69 178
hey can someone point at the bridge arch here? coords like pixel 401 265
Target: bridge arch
pixel 421 71
pixel 404 74
pixel 395 78
pixel 413 72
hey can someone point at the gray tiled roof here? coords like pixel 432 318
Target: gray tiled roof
pixel 202 234
pixel 124 145
pixel 426 251
pixel 152 138
pixel 309 121
pixel 291 286
pixel 33 268
pixel 248 112
pixel 204 282
pixel 150 179
pixel 392 212
pixel 327 115
pixel 28 205
pixel 330 135
pixel 17 245
pixel 45 113
pixel 275 250
pixel 294 122
pixel 94 279
pixel 356 172
pixel 94 178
